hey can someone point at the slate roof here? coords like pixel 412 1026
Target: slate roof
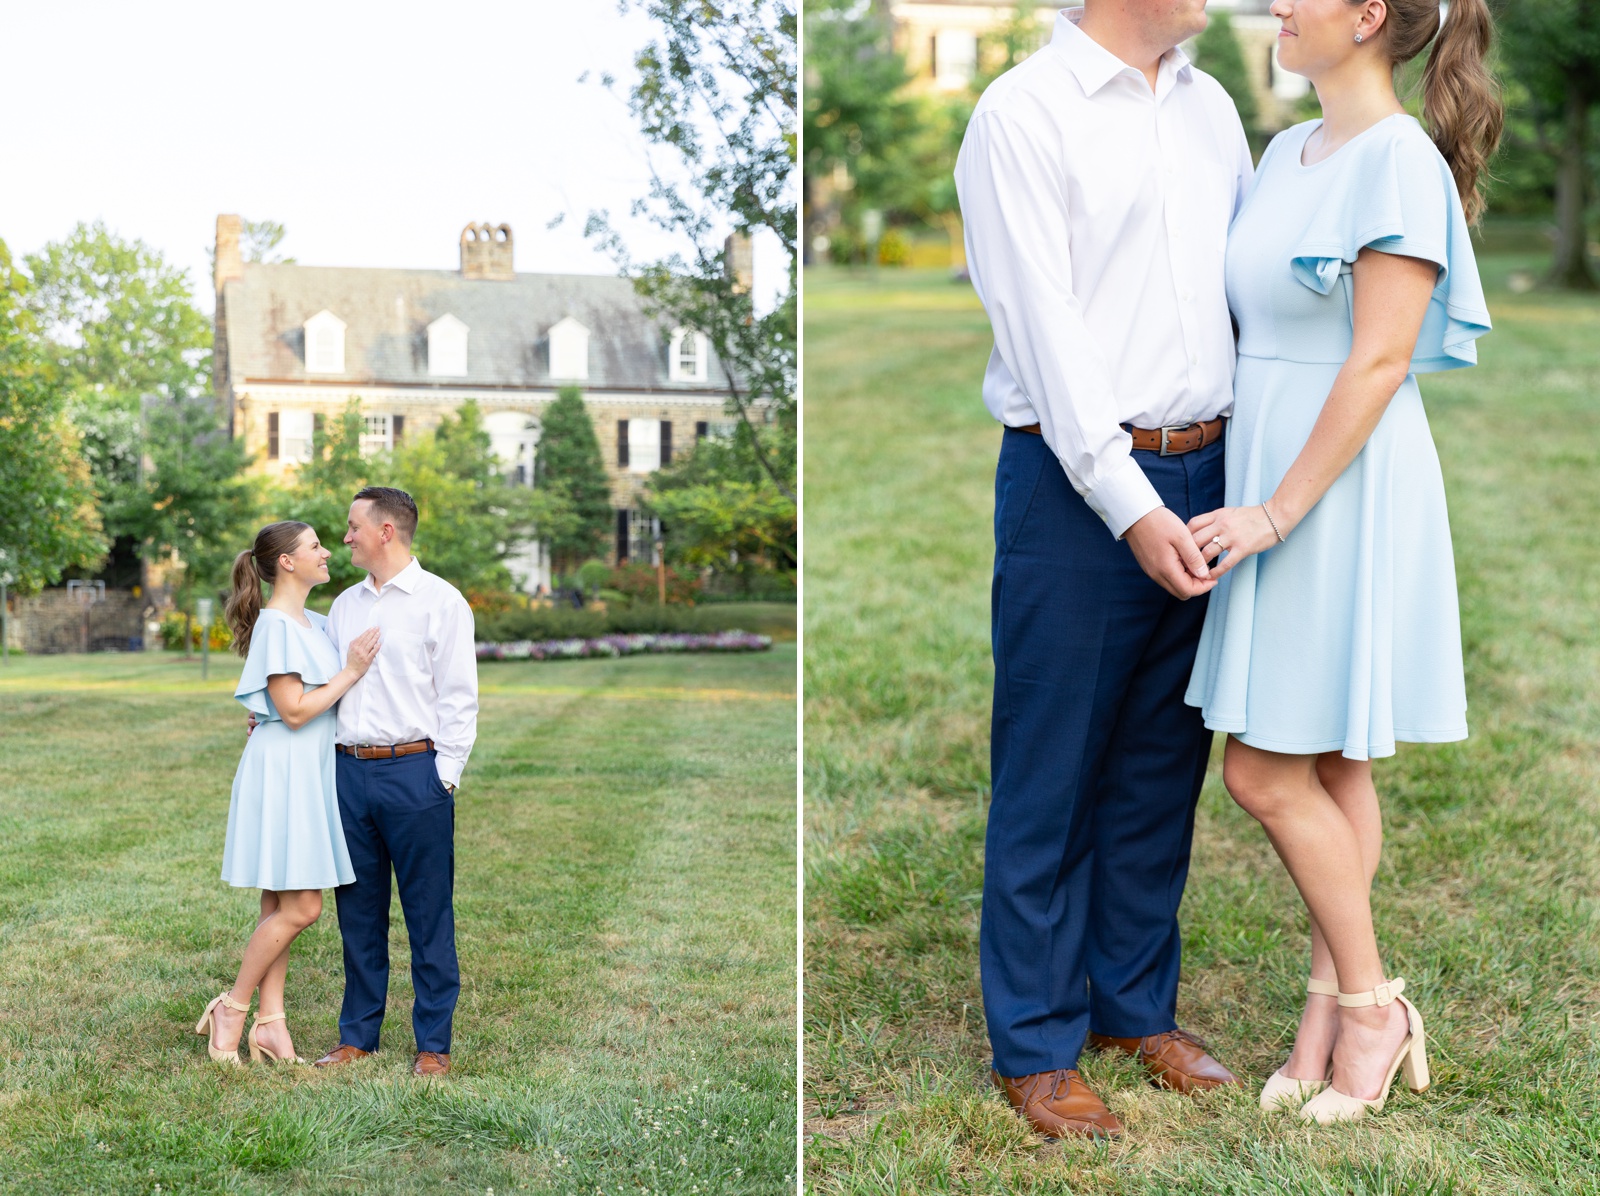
pixel 387 313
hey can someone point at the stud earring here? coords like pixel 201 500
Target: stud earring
pixel 1358 39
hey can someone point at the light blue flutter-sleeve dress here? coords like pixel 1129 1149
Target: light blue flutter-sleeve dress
pixel 284 830
pixel 1346 638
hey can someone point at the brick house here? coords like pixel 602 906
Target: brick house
pixel 295 343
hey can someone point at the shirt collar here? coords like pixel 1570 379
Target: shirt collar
pixel 406 579
pixel 1095 66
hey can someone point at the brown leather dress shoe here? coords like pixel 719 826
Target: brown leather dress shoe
pixel 1059 1103
pixel 341 1054
pixel 430 1063
pixel 1175 1059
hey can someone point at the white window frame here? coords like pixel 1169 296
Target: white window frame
pixel 643 532
pixel 644 445
pixel 447 347
pixel 955 58
pixel 295 434
pixel 324 334
pixel 377 434
pixel 569 351
pixel 698 356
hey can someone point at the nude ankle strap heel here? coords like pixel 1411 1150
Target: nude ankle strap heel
pixel 1332 1105
pixel 1282 1092
pixel 206 1023
pixel 257 1051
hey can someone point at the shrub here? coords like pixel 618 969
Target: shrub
pixel 639 583
pixel 172 632
pixel 845 246
pixel 894 249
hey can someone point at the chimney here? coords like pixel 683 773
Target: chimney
pixel 228 265
pixel 738 263
pixel 486 251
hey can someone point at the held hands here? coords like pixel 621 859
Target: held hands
pixel 363 651
pixel 1166 551
pixel 1241 532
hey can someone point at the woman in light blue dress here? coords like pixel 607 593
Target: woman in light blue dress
pixel 284 832
pixel 1333 631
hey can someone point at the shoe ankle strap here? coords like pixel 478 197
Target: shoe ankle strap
pixel 234 1005
pixel 263 1018
pixel 1323 988
pixel 1382 995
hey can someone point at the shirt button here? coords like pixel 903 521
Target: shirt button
pixel 1194 361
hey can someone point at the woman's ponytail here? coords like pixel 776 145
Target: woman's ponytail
pixel 1460 100
pixel 252 567
pixel 244 602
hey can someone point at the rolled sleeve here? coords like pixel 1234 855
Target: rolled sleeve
pixel 1018 233
pixel 455 671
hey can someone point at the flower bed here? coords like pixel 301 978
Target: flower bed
pixel 625 645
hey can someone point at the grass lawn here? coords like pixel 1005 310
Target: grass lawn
pixel 625 917
pixel 1488 897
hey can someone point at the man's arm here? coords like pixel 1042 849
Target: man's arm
pixel 1018 230
pixel 455 681
pixel 1019 253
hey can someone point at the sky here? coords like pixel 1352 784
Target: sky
pixel 372 132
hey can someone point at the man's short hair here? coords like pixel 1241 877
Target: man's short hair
pixel 396 506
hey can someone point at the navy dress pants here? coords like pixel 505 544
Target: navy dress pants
pixel 398 814
pixel 1096 765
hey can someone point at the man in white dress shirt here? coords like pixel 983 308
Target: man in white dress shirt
pixel 405 732
pixel 1097 181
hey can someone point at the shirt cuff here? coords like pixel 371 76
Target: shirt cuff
pixel 1123 497
pixel 450 769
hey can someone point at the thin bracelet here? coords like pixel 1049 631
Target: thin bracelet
pixel 1274 523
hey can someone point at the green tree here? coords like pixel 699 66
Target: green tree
pixel 122 334
pixel 191 498
pixel 719 90
pixel 723 513
pixel 1551 48
pixel 49 522
pixel 1217 52
pixel 857 121
pixel 568 465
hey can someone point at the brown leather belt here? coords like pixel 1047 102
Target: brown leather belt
pixel 1169 441
pixel 383 751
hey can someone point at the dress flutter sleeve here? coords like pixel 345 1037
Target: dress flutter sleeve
pixel 275 648
pixel 1402 199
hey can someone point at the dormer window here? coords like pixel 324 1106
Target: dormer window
pixel 569 351
pixel 324 344
pixel 687 356
pixel 447 348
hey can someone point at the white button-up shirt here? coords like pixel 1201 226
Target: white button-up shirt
pixel 1097 217
pixel 424 683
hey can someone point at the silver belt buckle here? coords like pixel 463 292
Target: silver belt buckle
pixel 1165 451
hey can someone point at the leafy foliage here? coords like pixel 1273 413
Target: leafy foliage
pixel 568 468
pixel 1217 52
pixel 719 90
pixel 721 512
pixel 1551 51
pixel 50 522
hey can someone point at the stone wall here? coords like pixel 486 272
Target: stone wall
pixel 58 621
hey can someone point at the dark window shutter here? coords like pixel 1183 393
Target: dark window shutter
pixel 702 429
pixel 622 444
pixel 622 536
pixel 398 423
pixel 318 422
pixel 272 436
pixel 666 442
pixel 933 55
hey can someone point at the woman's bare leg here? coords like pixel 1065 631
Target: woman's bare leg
pixel 1349 783
pixel 268 946
pixel 1323 853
